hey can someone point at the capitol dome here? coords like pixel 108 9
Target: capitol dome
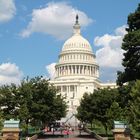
pixel 76 43
pixel 76 58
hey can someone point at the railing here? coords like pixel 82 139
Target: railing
pixel 69 118
pixel 96 136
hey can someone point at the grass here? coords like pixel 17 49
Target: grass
pixel 99 129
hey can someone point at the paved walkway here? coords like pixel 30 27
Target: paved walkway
pixel 73 136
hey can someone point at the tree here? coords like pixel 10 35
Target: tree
pixel 104 99
pixel 96 106
pixel 135 106
pixel 84 113
pixel 39 101
pixel 1 119
pixel 33 100
pixel 8 102
pixel 124 95
pixel 25 94
pixel 115 112
pixel 47 105
pixel 131 46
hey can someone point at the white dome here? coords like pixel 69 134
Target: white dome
pixel 76 43
pixel 77 59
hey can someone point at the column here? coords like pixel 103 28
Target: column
pixel 98 71
pixel 75 90
pixel 60 71
pixel 74 69
pixel 86 70
pixel 90 70
pixel 70 70
pixel 82 68
pixel 64 70
pixel 77 69
pixel 67 89
pixel 94 70
pixel 56 72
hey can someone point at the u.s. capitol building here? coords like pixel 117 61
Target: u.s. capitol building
pixel 77 71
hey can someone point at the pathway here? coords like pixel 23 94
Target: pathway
pixel 73 136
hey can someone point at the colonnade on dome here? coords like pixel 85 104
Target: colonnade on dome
pixel 78 70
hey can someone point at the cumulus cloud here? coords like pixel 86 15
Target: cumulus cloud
pixel 10 73
pixel 110 54
pixel 51 70
pixel 7 10
pixel 56 19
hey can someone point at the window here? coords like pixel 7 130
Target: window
pixel 58 88
pixel 72 88
pixel 71 103
pixel 64 88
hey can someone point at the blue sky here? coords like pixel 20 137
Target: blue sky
pixel 32 33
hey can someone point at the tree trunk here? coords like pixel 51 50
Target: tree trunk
pixel 27 123
pixel 105 127
pixel 91 125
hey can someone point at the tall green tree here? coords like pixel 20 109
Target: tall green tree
pixel 135 106
pixel 25 100
pixel 33 100
pixel 84 113
pixel 98 106
pixel 8 102
pixel 131 46
pixel 47 105
pixel 103 101
pixel 115 112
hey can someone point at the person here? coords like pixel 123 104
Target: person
pixel 66 133
pixel 80 127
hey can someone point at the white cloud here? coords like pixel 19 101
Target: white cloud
pixel 121 30
pixel 110 54
pixel 51 70
pixel 10 73
pixel 56 19
pixel 7 10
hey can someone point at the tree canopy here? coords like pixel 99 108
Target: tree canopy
pixel 99 106
pixel 135 105
pixel 131 46
pixel 34 100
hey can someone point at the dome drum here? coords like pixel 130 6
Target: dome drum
pixel 77 70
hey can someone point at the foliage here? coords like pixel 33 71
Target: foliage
pixel 135 106
pixel 1 120
pixel 115 112
pixel 99 106
pixel 8 102
pixel 84 113
pixel 131 46
pixel 34 100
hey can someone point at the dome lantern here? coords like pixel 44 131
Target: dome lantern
pixel 76 26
